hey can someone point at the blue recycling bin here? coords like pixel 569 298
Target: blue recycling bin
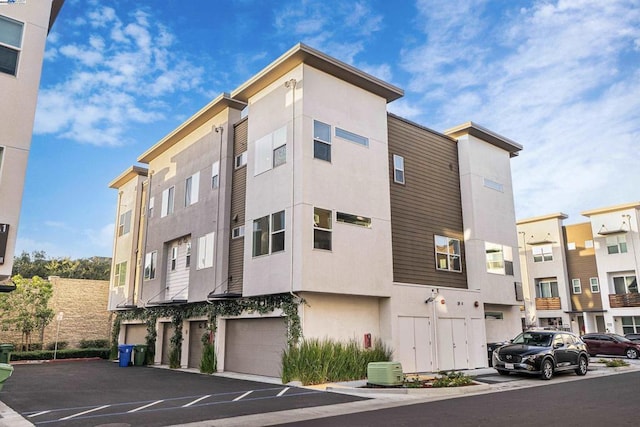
pixel 124 351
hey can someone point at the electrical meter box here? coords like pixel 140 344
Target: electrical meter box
pixel 385 373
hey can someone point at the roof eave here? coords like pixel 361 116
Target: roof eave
pixel 474 129
pixel 127 176
pixel 633 205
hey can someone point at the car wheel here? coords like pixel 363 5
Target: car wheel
pixel 501 372
pixel 582 366
pixel 546 370
pixel 632 353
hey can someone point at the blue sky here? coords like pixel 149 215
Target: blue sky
pixel 562 78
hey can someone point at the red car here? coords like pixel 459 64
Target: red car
pixel 611 345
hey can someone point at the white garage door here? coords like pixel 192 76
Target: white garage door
pixel 254 346
pixel 135 334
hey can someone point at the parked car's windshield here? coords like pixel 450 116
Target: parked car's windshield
pixel 534 339
pixel 621 338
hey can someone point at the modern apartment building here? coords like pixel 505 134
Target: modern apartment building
pixel 583 277
pixel 299 182
pixel 23 32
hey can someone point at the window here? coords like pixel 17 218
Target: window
pixel 595 285
pixel 271 151
pixel 10 45
pixel 588 244
pixel 191 189
pixel 277 232
pixel 625 285
pixel 321 141
pixel 124 225
pixel 167 202
pixel 362 221
pixel 265 241
pixel 322 229
pixel 215 175
pixel 241 160
pixel 494 315
pixel 616 244
pixel 499 259
pixel 237 232
pixel 187 261
pixel 547 289
pixel 447 253
pixel 205 251
pixel 279 156
pixel 120 275
pixel 150 261
pixel 1 155
pixel 571 246
pixel 576 285
pixel 542 253
pixel 350 136
pixel 493 185
pixel 630 324
pixel 261 236
pixel 174 258
pixel 152 201
pixel 398 169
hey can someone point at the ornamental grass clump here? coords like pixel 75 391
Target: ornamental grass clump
pixel 452 379
pixel 315 361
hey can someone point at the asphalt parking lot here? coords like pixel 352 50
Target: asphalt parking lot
pixel 98 392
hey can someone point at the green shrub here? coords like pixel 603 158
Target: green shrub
pixel 452 379
pixel 61 345
pixel 316 362
pixel 72 353
pixel 94 343
pixel 614 363
pixel 209 363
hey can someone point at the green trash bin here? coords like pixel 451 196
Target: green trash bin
pixel 5 372
pixel 139 355
pixel 5 352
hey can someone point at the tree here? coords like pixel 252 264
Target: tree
pixel 31 265
pixel 26 308
pixel 37 264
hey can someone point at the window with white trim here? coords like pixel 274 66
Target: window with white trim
pixel 215 175
pixel 277 232
pixel 321 141
pixel 542 253
pixel 546 288
pixel 241 160
pixel 150 262
pixel 398 169
pixel 187 261
pixel 191 189
pixel 322 225
pixel 152 201
pixel 10 45
pixel 167 201
pixel 237 232
pixel 347 218
pixel 269 234
pixel 499 259
pixel 1 156
pixel 571 246
pixel 205 251
pixel 576 286
pixel 353 137
pixel 625 285
pixel 616 244
pixel 120 275
pixel 447 253
pixel 588 244
pixel 595 284
pixel 124 224
pixel 271 151
pixel 174 258
pixel 630 324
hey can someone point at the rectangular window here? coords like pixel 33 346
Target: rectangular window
pixel 571 246
pixel 576 285
pixel 350 136
pixel 215 175
pixel 124 225
pixel 120 275
pixel 493 185
pixel 277 232
pixel 630 324
pixel 542 253
pixel 279 156
pixel 547 289
pixel 362 221
pixel 616 244
pixel 1 155
pixel 447 253
pixel 494 315
pixel 152 201
pixel 261 236
pixel 494 258
pixel 10 45
pixel 237 232
pixel 625 285
pixel 321 141
pixel 174 258
pixel 191 189
pixel 205 251
pixel 595 285
pixel 187 261
pixel 322 225
pixel 398 169
pixel 167 202
pixel 241 160
pixel 271 151
pixel 150 261
pixel 588 244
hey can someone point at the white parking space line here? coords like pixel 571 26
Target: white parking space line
pixel 145 406
pixel 244 395
pixel 85 412
pixel 283 391
pixel 38 414
pixel 196 401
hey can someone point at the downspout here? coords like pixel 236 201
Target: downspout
pixel 292 84
pixel 146 232
pixel 220 130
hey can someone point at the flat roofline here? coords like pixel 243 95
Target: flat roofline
pixel 558 215
pixel 423 127
pixel 128 175
pixel 303 54
pixel 56 5
pixel 474 129
pixel 633 205
pixel 219 104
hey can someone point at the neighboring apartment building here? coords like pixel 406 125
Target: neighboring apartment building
pixel 23 32
pixel 300 182
pixel 583 277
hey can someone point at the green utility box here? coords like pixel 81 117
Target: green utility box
pixel 385 373
pixel 5 372
pixel 139 355
pixel 5 352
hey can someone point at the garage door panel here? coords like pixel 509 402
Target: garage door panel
pixel 254 346
pixel 135 334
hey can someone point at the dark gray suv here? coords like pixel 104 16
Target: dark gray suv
pixel 542 353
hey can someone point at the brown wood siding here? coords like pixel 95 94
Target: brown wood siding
pixel 581 264
pixel 428 204
pixel 238 199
